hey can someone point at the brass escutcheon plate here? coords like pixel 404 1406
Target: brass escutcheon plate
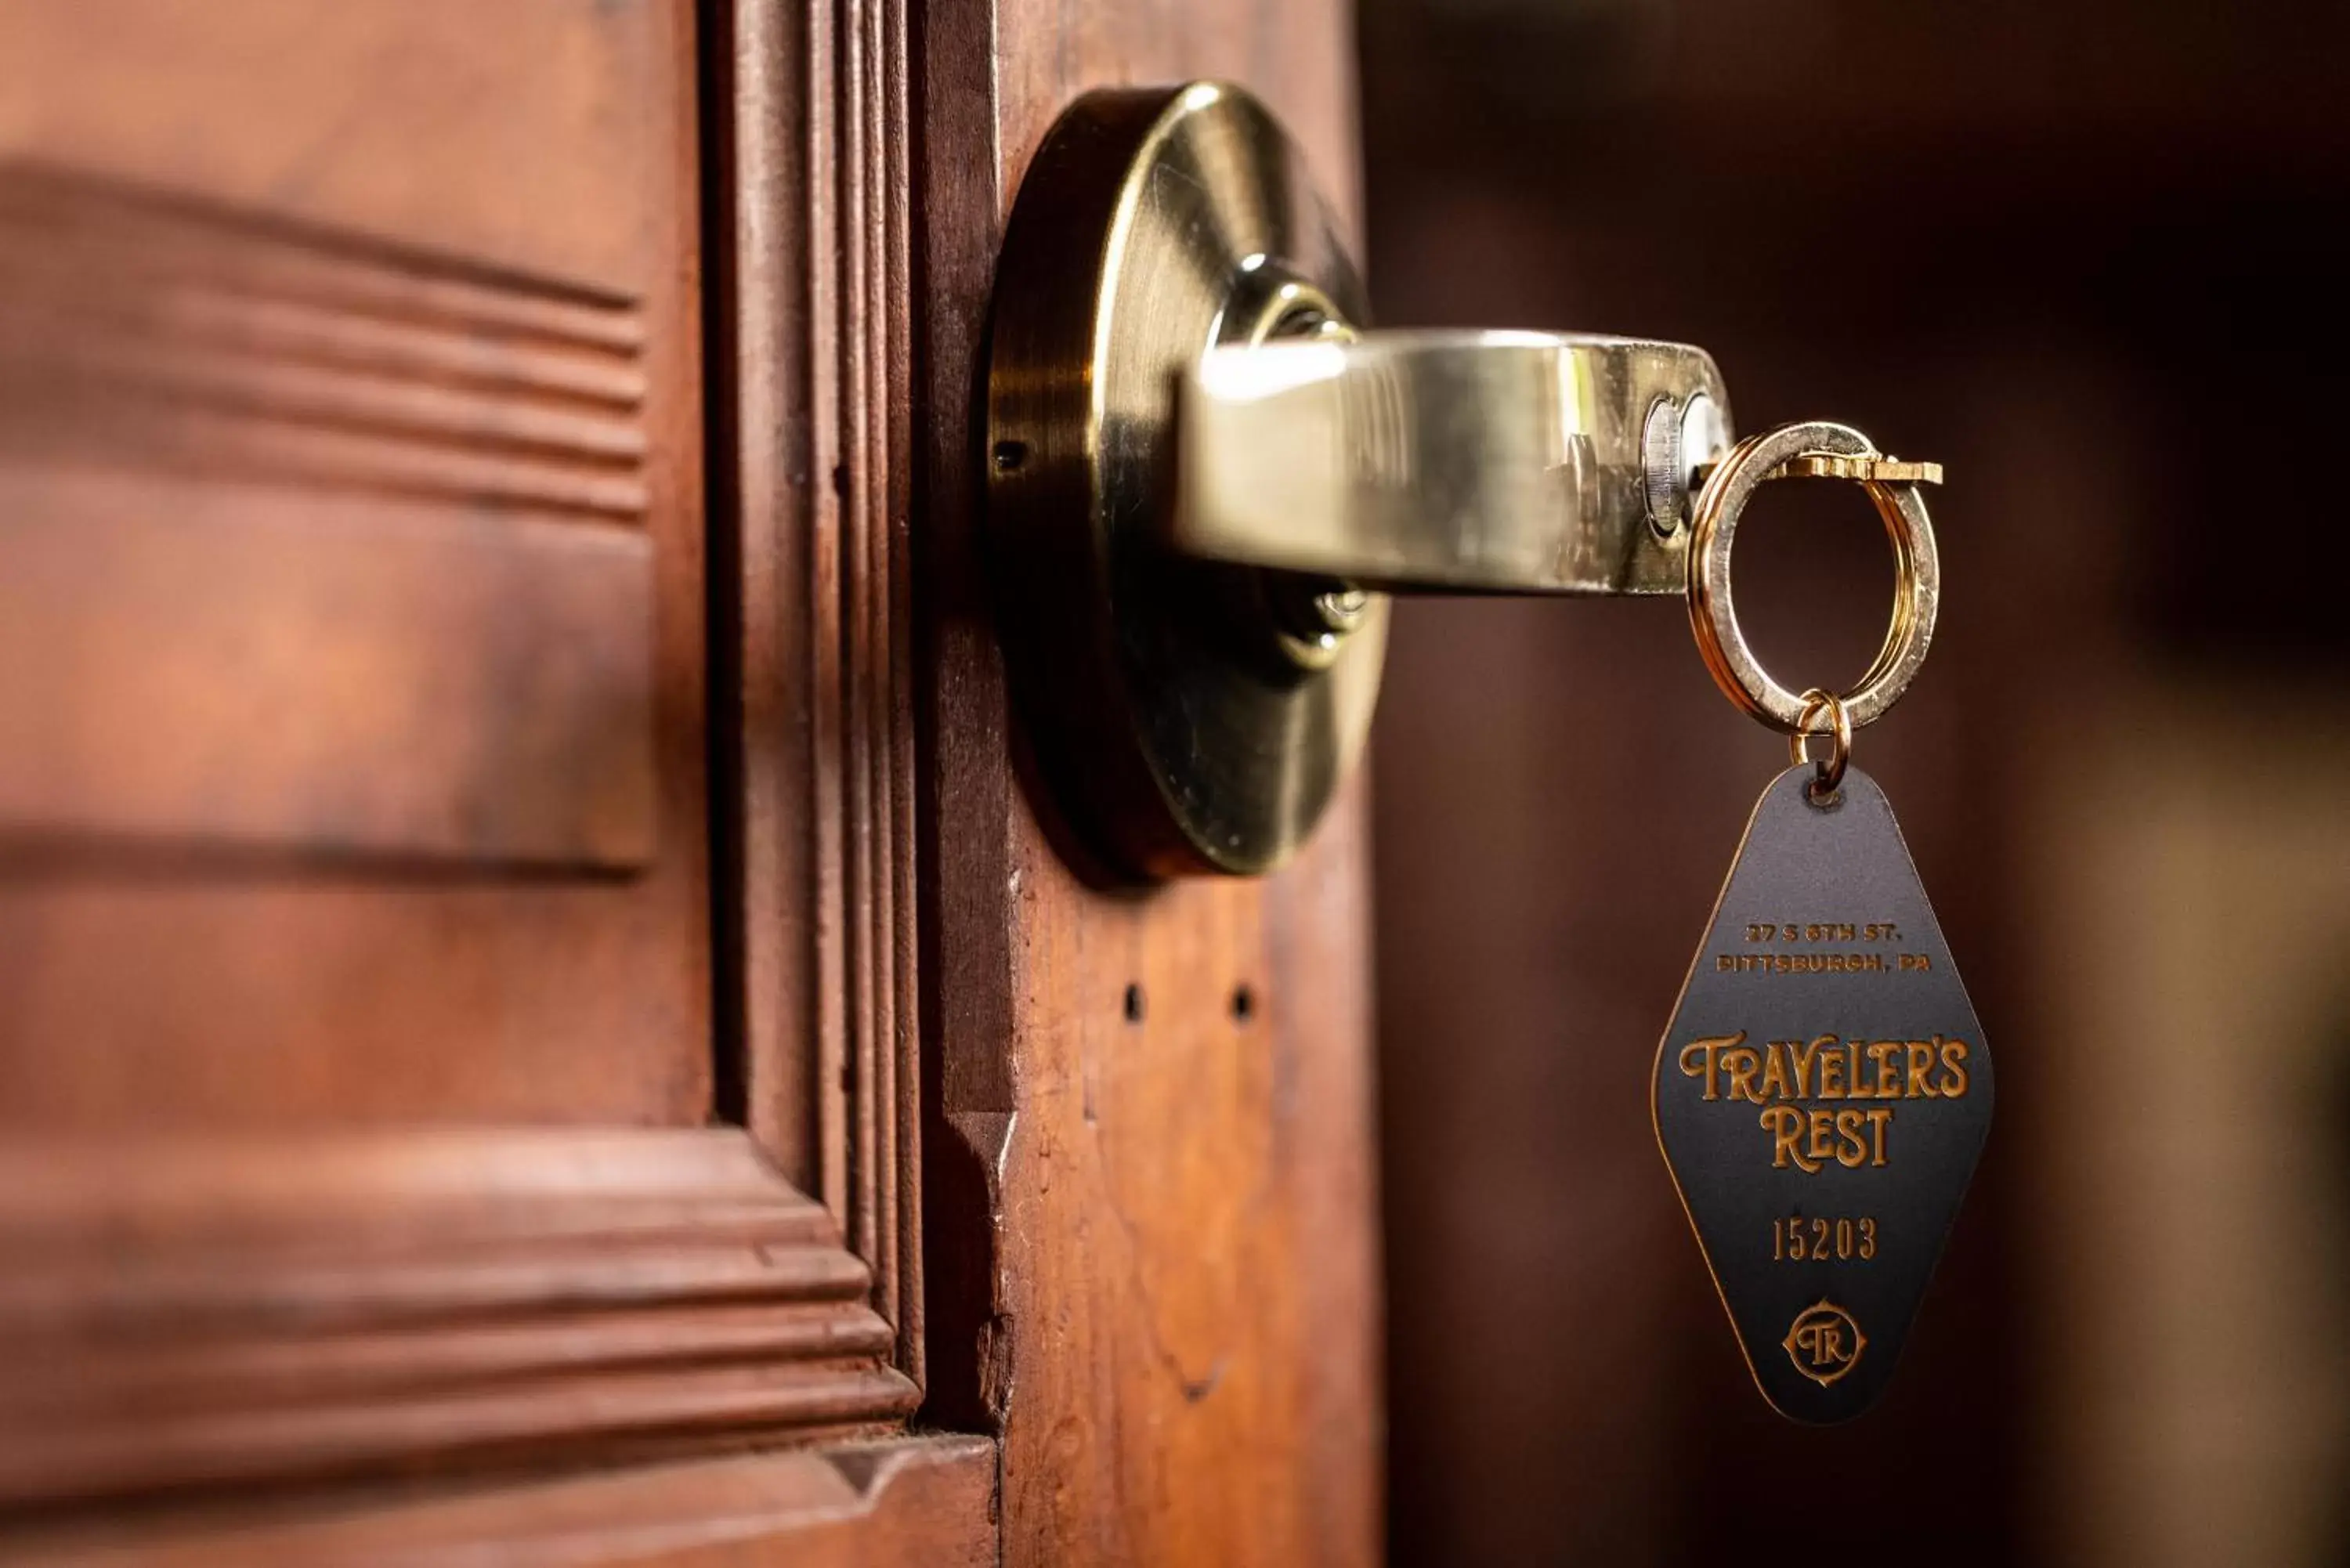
pixel 1184 718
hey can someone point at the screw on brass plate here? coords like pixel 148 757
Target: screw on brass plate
pixel 1679 445
pixel 1340 610
pixel 1315 614
pixel 1662 469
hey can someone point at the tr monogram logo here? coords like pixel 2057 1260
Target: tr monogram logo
pixel 1824 1342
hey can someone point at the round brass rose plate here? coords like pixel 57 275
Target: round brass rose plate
pixel 1188 716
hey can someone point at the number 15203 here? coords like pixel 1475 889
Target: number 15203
pixel 1796 1239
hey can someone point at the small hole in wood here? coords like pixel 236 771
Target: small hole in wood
pixel 1243 1003
pixel 1009 455
pixel 1134 1004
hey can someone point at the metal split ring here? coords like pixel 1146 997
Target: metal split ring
pixel 1830 775
pixel 1916 583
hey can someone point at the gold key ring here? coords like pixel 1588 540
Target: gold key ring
pixel 1836 451
pixel 1829 769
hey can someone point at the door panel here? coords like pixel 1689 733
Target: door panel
pixel 351 596
pixel 543 1020
pixel 374 1106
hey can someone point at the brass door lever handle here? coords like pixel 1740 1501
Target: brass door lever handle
pixel 1494 461
pixel 1204 476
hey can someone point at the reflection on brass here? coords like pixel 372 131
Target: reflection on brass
pixel 1917 575
pixel 1819 703
pixel 1190 716
pixel 1201 472
pixel 1863 469
pixel 1493 461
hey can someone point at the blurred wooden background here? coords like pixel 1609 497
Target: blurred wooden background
pixel 2086 254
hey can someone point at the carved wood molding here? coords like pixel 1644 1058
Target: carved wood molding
pixel 294 1307
pixel 811 279
pixel 926 1502
pixel 149 328
pixel 259 1307
pixel 223 431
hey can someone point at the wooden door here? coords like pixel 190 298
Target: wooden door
pixel 538 1018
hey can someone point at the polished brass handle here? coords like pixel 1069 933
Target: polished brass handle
pixel 1204 475
pixel 1495 462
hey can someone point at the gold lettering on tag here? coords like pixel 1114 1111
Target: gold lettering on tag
pixel 1824 1342
pixel 1787 1077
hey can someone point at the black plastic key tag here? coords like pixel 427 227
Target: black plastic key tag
pixel 1824 1089
pixel 1820 1096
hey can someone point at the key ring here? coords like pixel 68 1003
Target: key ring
pixel 1830 451
pixel 1830 774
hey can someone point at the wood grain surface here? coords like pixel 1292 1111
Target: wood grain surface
pixel 248 1310
pixel 918 1501
pixel 351 585
pixel 462 889
pixel 812 401
pixel 1149 1193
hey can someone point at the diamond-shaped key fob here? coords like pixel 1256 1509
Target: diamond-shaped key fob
pixel 1822 1095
